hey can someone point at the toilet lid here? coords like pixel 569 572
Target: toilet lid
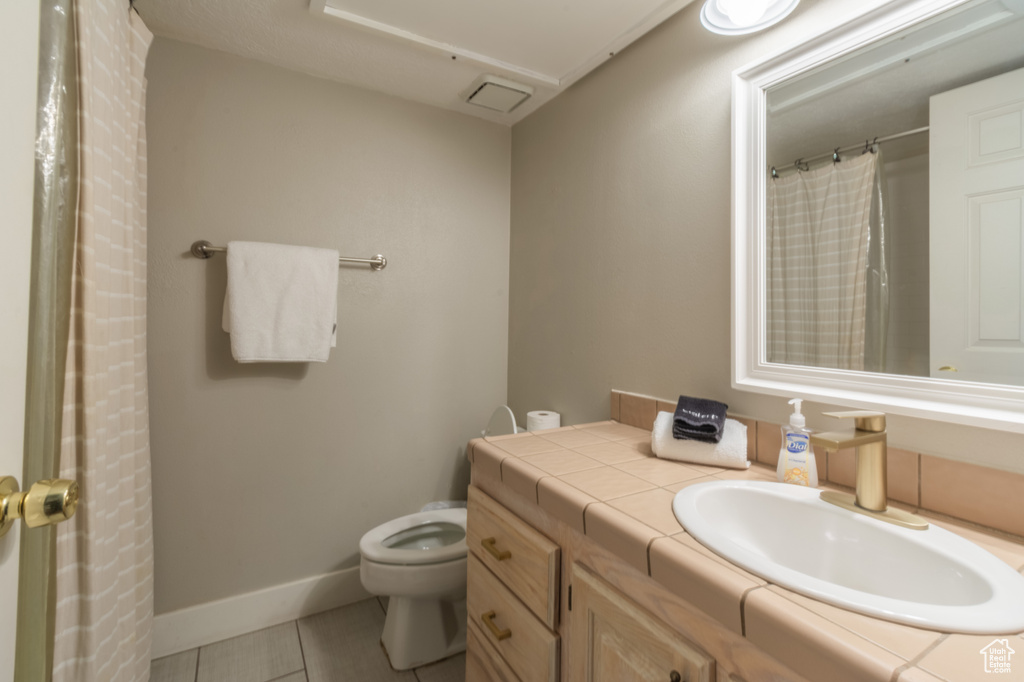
pixel 502 422
pixel 429 537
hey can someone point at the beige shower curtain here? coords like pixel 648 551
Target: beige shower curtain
pixel 105 553
pixel 817 244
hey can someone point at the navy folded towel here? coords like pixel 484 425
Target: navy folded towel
pixel 699 419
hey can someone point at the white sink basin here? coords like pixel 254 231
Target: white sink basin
pixel 927 578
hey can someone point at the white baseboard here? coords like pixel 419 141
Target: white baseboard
pixel 196 626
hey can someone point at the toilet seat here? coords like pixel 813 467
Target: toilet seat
pixel 441 543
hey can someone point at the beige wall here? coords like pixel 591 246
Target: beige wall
pixel 264 474
pixel 620 253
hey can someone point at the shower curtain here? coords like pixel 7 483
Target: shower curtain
pixel 876 324
pixel 105 552
pixel 818 247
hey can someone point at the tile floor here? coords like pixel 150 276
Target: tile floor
pixel 334 646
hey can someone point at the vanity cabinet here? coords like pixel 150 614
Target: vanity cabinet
pixel 614 640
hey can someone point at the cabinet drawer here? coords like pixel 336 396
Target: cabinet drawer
pixel 483 662
pixel 526 561
pixel 529 648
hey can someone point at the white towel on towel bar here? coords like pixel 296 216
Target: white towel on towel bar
pixel 281 303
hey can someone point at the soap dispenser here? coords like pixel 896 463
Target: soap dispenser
pixel 796 459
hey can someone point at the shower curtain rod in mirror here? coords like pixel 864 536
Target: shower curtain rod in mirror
pixel 801 163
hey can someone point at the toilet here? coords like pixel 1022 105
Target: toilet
pixel 419 562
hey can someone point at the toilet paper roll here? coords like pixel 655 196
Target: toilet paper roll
pixel 539 420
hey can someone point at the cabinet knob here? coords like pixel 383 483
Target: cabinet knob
pixel 674 676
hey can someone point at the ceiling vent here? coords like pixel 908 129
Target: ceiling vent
pixel 499 94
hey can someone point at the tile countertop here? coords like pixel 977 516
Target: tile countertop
pixel 603 480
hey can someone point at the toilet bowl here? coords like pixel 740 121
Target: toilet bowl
pixel 419 562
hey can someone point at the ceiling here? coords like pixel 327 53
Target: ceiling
pixel 431 53
pixel 884 88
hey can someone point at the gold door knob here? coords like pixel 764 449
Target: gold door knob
pixel 45 503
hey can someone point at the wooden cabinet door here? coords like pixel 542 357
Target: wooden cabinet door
pixel 614 640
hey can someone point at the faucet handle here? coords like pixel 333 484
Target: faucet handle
pixel 864 420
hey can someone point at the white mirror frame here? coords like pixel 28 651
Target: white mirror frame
pixel 975 404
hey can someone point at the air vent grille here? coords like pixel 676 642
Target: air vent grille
pixel 499 94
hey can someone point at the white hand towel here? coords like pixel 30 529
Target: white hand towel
pixel 281 303
pixel 730 452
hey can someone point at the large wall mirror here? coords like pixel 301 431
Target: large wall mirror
pixel 879 214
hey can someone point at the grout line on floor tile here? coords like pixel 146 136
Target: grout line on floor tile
pixel 302 651
pixel 303 671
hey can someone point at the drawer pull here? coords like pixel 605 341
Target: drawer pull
pixel 674 676
pixel 488 544
pixel 488 619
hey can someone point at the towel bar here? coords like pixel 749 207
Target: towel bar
pixel 204 249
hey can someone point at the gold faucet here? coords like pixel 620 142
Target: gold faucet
pixel 868 438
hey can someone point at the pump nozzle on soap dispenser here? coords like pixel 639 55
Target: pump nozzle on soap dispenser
pixel 796 458
pixel 797 420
